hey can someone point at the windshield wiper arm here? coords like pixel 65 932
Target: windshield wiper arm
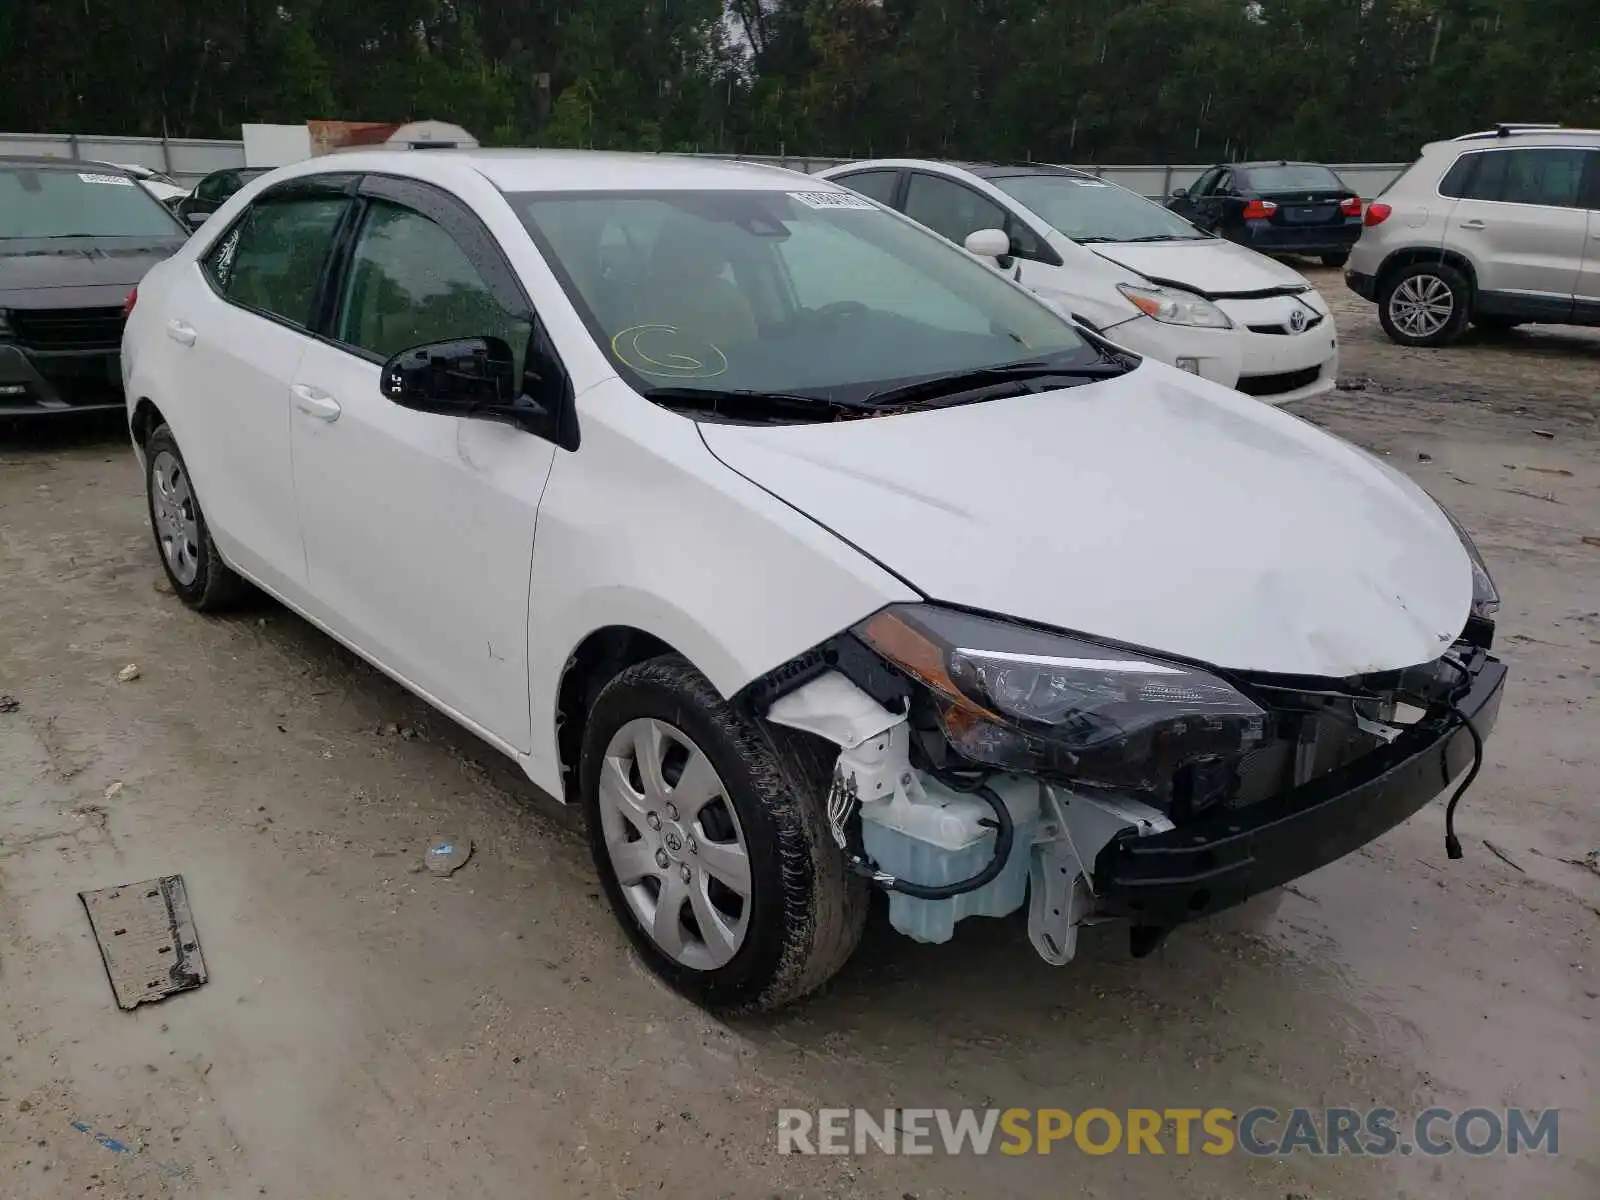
pixel 749 403
pixel 1104 367
pixel 1161 237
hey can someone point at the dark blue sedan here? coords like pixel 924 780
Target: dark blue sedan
pixel 1276 208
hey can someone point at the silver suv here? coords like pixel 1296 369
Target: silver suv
pixel 1498 228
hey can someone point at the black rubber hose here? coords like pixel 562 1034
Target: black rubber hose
pixel 1452 844
pixel 1003 837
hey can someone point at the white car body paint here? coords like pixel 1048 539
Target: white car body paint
pixel 1189 507
pixel 1155 509
pixel 1086 284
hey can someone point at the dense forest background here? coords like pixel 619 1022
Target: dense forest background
pixel 1063 80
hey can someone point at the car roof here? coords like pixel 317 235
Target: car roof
pixel 1275 162
pixel 50 162
pixel 581 170
pixel 983 170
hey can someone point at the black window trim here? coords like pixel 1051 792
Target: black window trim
pixel 1588 180
pixel 303 187
pixel 1011 224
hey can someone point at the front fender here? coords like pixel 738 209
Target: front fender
pixel 644 528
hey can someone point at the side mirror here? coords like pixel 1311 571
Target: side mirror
pixel 195 219
pixel 988 243
pixel 1179 193
pixel 476 378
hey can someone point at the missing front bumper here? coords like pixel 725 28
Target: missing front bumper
pixel 1206 865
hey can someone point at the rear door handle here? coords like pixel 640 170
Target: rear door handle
pixel 1472 224
pixel 181 333
pixel 315 402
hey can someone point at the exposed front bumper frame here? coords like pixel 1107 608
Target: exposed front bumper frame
pixel 1220 860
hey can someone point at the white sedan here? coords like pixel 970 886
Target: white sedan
pixel 804 552
pixel 1142 275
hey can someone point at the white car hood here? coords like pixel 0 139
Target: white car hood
pixel 1212 267
pixel 1152 509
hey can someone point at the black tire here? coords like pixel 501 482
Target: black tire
pixel 1336 259
pixel 1496 324
pixel 807 910
pixel 1425 273
pixel 214 586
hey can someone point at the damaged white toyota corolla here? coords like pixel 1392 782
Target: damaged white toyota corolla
pixel 805 552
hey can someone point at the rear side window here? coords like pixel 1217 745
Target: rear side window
pixel 272 259
pixel 1551 176
pixel 411 283
pixel 875 185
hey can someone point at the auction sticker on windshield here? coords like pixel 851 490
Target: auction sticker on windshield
pixel 118 180
pixel 831 200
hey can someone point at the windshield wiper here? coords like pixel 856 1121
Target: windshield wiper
pixel 1162 237
pixel 748 404
pixel 1105 367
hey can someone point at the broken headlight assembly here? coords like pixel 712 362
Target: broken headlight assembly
pixel 1026 700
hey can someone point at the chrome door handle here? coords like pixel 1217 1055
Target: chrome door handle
pixel 315 402
pixel 181 333
pixel 1472 225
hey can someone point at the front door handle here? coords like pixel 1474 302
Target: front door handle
pixel 1474 224
pixel 315 402
pixel 181 333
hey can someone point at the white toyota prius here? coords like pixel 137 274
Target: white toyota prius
pixel 1144 276
pixel 809 555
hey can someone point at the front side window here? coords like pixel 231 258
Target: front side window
pixel 51 203
pixel 1091 210
pixel 772 291
pixel 272 259
pixel 950 209
pixel 410 284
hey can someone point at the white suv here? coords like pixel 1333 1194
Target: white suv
pixel 1498 228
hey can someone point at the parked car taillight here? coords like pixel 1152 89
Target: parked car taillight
pixel 1259 210
pixel 1377 214
pixel 127 305
pixel 1350 206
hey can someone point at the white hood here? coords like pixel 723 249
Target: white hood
pixel 1213 267
pixel 1152 509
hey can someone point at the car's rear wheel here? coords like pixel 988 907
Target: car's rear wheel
pixel 709 834
pixel 1424 304
pixel 183 541
pixel 1337 259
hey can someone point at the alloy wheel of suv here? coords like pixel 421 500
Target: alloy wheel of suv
pixel 1424 304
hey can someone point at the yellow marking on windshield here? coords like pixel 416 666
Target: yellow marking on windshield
pixel 669 361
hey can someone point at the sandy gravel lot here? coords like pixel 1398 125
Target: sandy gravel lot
pixel 368 1031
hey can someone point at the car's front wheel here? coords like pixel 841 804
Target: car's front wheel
pixel 1424 304
pixel 183 541
pixel 710 837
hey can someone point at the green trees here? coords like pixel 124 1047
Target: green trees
pixel 1062 80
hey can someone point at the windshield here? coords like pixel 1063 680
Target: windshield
pixel 1293 177
pixel 816 292
pixel 1089 210
pixel 52 203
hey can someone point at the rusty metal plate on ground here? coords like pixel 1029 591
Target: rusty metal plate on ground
pixel 147 939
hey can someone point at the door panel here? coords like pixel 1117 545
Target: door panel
pixel 1587 294
pixel 239 326
pixel 1518 220
pixel 418 528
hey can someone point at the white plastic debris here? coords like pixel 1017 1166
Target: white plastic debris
pixel 129 673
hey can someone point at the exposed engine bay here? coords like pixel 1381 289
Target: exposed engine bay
pixel 983 767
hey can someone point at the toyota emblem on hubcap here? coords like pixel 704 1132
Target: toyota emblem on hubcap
pixel 674 842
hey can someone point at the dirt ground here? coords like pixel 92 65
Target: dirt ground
pixel 369 1031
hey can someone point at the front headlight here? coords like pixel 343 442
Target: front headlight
pixel 1171 306
pixel 1028 700
pixel 1485 596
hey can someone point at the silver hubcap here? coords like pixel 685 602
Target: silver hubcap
pixel 1421 306
pixel 177 523
pixel 675 844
